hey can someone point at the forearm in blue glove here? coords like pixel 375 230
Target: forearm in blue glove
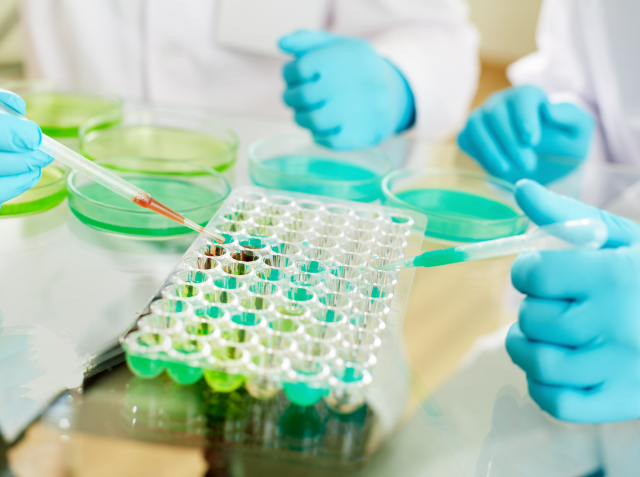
pixel 21 162
pixel 578 334
pixel 514 128
pixel 343 91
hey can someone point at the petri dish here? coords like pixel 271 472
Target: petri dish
pixel 50 190
pixel 191 189
pixel 296 163
pixel 161 134
pixel 461 206
pixel 60 111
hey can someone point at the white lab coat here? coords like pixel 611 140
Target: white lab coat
pixel 588 54
pixel 167 52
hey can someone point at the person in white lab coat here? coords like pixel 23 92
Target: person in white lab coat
pixel 577 96
pixel 223 54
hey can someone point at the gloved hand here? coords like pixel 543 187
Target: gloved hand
pixel 21 162
pixel 343 91
pixel 514 127
pixel 578 334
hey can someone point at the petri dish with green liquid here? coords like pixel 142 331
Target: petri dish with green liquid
pixel 50 190
pixel 161 134
pixel 461 206
pixel 191 189
pixel 296 163
pixel 61 110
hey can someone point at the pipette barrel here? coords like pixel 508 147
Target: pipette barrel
pixel 92 170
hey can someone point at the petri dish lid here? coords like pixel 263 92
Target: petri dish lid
pixel 157 133
pixel 460 205
pixel 297 163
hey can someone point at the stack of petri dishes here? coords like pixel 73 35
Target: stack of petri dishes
pixel 292 300
pixel 298 164
pixel 161 134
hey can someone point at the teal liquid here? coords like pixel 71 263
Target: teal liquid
pixel 464 217
pixel 440 257
pixel 320 176
pixel 130 218
pixel 302 395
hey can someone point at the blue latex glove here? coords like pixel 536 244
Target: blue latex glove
pixel 343 91
pixel 514 128
pixel 21 162
pixel 578 336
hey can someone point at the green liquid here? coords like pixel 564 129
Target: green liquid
pixel 156 142
pixel 223 382
pixel 132 219
pixel 61 114
pixel 144 367
pixel 320 176
pixel 440 257
pixel 302 395
pixel 183 374
pixel 454 215
pixel 32 200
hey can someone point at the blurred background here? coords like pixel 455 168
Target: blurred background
pixel 507 29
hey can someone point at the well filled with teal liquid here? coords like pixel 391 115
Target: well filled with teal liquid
pixel 319 175
pixel 462 216
pixel 101 208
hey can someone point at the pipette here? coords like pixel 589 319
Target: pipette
pixel 584 233
pixel 112 181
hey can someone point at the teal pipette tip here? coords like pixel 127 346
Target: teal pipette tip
pixel 583 233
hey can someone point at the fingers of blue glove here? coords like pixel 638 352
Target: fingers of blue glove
pixel 575 120
pixel 18 134
pixel 13 186
pixel 14 101
pixel 14 163
pixel 502 127
pixel 320 122
pixel 559 274
pixel 555 365
pixel 476 141
pixel 611 402
pixel 524 107
pixel 306 97
pixel 302 41
pixel 560 322
pixel 545 207
pixel 301 71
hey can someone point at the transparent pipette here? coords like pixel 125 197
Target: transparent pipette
pixel 112 181
pixel 584 233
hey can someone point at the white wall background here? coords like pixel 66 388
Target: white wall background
pixel 507 28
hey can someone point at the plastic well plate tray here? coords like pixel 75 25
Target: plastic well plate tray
pixel 292 301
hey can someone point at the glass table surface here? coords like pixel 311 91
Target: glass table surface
pixel 461 406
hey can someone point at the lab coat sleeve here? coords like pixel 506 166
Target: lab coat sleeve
pixel 432 43
pixel 558 66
